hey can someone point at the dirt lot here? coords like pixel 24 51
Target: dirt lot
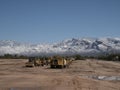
pixel 15 76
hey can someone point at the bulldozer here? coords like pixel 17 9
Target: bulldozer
pixel 32 61
pixel 58 62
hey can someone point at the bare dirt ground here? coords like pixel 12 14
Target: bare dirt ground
pixel 15 76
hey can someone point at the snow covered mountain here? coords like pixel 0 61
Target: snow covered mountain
pixel 83 46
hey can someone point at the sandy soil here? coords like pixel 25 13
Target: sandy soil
pixel 15 76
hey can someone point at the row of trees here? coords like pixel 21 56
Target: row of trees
pixel 108 57
pixel 9 56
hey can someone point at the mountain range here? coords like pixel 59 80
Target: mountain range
pixel 83 46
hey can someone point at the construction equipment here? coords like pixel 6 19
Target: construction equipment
pixel 58 62
pixel 54 62
pixel 33 62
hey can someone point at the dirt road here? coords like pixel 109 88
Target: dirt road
pixel 15 76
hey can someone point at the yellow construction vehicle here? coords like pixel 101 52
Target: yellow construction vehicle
pixel 32 61
pixel 58 62
pixel 69 61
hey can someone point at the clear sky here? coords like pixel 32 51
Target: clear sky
pixel 40 21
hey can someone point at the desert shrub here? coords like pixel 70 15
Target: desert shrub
pixel 15 56
pixel 110 57
pixel 79 57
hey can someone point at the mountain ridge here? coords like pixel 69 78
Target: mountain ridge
pixel 83 46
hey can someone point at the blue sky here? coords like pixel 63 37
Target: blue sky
pixel 40 21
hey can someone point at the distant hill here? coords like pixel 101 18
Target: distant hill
pixel 83 46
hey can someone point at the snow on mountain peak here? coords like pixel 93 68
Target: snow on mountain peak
pixel 89 46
